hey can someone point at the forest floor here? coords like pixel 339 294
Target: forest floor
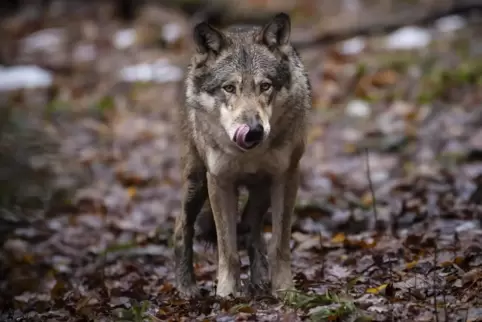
pixel 94 241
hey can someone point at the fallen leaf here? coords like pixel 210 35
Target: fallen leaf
pixel 367 199
pixel 131 191
pixel 384 78
pixel 411 265
pixel 338 238
pixel 472 275
pixel 242 308
pixel 376 290
pixel 338 271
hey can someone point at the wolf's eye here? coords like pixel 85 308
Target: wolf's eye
pixel 265 86
pixel 229 88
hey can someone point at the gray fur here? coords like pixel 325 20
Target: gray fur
pixel 236 76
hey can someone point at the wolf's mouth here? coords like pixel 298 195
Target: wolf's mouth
pixel 243 138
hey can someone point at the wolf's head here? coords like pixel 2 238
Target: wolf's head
pixel 241 77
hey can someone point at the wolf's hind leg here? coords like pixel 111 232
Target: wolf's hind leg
pixel 194 194
pixel 252 221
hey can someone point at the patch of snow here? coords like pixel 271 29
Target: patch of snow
pixel 44 40
pixel 171 32
pixel 358 108
pixel 125 38
pixel 409 37
pixel 450 23
pixel 160 72
pixel 28 76
pixel 353 46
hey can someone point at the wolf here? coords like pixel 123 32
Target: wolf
pixel 243 124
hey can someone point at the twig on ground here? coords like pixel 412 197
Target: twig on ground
pixel 445 303
pixel 370 185
pixel 434 283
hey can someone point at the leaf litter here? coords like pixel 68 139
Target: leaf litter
pixel 94 243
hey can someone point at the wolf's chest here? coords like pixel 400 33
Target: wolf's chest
pixel 274 162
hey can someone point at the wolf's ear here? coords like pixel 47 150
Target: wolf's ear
pixel 277 32
pixel 208 39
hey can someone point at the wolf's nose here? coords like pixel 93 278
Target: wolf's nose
pixel 255 134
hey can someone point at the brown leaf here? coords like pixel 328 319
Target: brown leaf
pixel 338 238
pixel 166 288
pixel 242 308
pixel 384 78
pixel 472 276
pixel 131 191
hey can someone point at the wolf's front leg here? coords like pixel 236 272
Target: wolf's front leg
pixel 222 196
pixel 283 198
pixel 194 194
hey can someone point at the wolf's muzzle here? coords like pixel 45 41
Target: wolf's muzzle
pixel 249 136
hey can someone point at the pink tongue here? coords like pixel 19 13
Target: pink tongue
pixel 240 135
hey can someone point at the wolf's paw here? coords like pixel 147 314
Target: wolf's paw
pixel 224 293
pixel 190 290
pixel 230 288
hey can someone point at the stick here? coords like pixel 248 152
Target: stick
pixel 370 185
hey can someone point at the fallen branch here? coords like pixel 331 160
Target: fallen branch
pixel 367 23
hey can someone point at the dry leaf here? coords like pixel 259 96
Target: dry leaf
pixel 472 275
pixel 338 238
pixel 131 191
pixel 411 264
pixel 376 290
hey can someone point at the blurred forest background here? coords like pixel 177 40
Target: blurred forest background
pixel 89 175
